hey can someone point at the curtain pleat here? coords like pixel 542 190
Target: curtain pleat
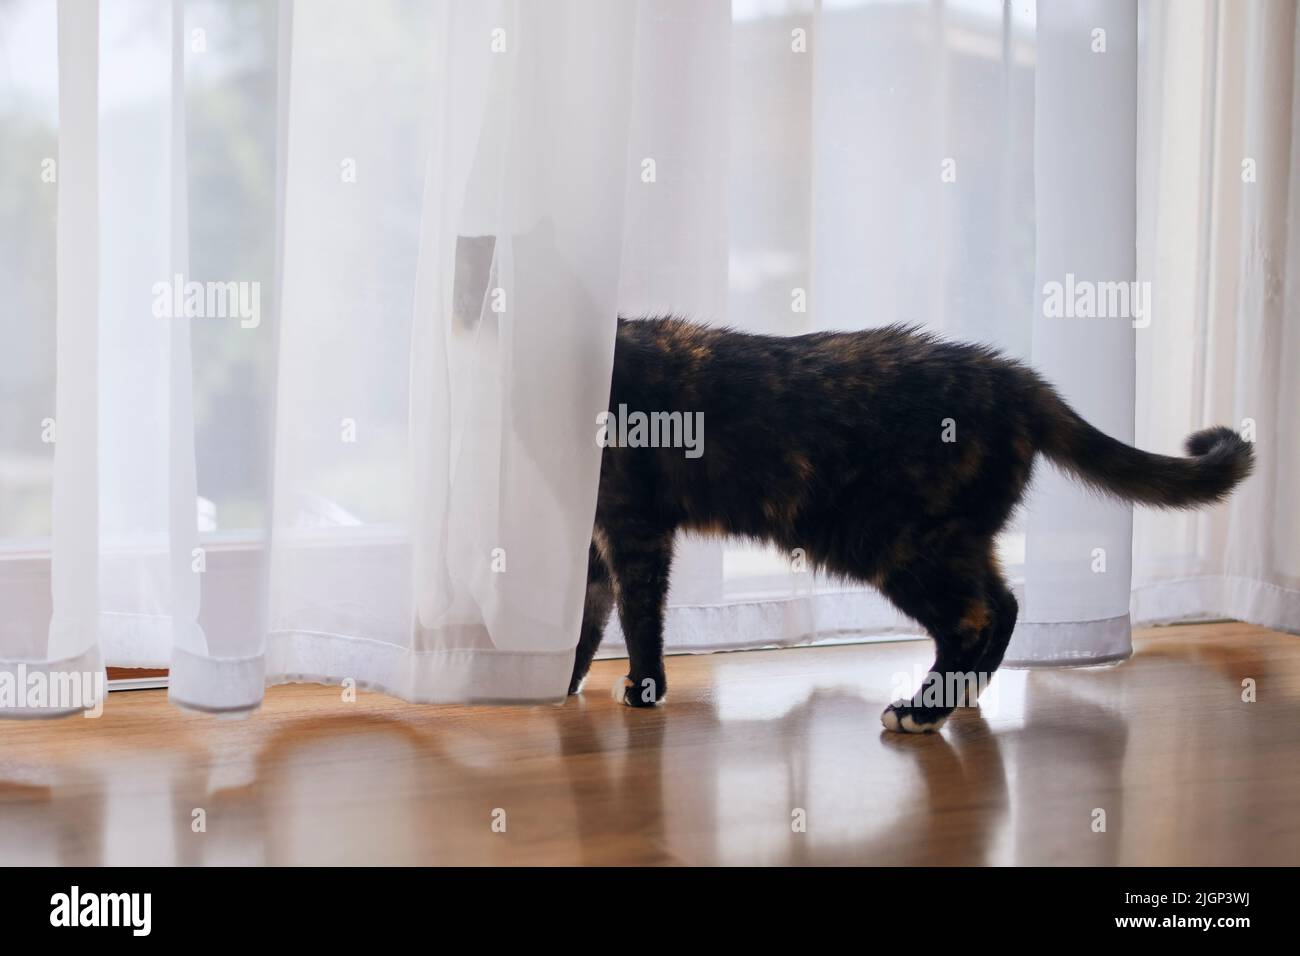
pixel 901 163
pixel 72 646
pixel 1218 153
pixel 1078 546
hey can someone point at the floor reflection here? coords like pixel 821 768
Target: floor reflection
pixel 759 758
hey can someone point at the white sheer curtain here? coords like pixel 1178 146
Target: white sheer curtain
pixel 850 165
pixel 450 560
pixel 365 450
pixel 400 224
pixel 1219 170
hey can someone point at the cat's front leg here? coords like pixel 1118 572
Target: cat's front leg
pixel 640 558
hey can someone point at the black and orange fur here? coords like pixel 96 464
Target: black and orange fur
pixel 834 443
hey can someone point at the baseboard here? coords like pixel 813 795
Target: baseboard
pixel 136 678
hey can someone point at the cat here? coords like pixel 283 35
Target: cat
pixel 890 456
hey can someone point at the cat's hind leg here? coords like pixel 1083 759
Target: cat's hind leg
pixel 959 598
pixel 595 614
pixel 1006 609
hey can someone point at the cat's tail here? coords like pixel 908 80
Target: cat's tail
pixel 1218 459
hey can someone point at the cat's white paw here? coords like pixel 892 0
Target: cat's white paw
pixel 904 721
pixel 912 726
pixel 627 692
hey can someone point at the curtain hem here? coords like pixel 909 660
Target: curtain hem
pixel 1240 598
pixel 849 616
pixel 445 676
pixel 88 662
pixel 451 676
pixel 1040 644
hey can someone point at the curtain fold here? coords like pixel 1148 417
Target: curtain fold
pixel 463 563
pixel 1078 545
pixel 326 399
pixel 1219 150
pixel 72 632
pixel 1011 142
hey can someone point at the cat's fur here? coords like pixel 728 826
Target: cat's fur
pixel 834 443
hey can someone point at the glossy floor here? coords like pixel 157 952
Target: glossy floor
pixel 760 757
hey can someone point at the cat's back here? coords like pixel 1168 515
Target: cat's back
pixel 673 362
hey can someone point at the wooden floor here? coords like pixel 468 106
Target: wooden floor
pixel 748 745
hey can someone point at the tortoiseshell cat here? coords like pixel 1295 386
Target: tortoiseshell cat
pixel 837 443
